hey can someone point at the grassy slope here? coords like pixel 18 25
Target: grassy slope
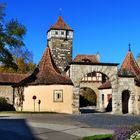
pixel 98 137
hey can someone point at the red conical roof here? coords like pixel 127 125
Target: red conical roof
pixel 60 24
pixel 130 65
pixel 46 73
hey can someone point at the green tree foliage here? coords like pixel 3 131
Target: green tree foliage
pixel 11 36
pixel 5 106
pixel 13 56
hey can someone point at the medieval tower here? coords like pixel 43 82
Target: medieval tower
pixel 60 38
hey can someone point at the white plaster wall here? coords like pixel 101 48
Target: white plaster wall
pixel 105 92
pixel 46 95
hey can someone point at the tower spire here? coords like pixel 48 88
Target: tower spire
pixel 129 45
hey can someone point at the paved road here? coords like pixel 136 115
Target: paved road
pixel 60 126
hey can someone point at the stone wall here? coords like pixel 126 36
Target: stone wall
pixel 7 93
pixel 138 99
pixel 125 83
pixel 61 50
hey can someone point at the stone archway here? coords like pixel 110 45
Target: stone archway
pixel 77 71
pixel 125 101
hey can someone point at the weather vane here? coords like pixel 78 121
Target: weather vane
pixel 60 11
pixel 129 46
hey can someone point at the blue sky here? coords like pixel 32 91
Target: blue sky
pixel 104 26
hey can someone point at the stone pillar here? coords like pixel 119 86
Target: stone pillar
pixel 115 96
pixel 132 104
pixel 120 101
pixel 76 100
pixel 115 103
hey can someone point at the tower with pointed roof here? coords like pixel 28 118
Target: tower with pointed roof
pixel 60 38
pixel 130 67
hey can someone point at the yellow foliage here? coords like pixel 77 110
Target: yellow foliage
pixel 22 67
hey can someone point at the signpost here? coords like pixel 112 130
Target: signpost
pixel 34 98
pixel 39 102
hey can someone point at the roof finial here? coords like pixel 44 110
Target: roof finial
pixel 60 11
pixel 129 47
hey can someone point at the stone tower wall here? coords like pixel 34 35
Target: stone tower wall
pixel 61 50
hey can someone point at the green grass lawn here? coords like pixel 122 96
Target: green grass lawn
pixel 98 137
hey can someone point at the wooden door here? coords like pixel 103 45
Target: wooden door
pixel 125 101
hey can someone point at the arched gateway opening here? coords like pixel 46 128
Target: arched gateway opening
pixel 125 101
pixel 88 100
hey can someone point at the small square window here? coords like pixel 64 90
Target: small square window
pixel 58 95
pixel 67 32
pixel 62 33
pixel 56 32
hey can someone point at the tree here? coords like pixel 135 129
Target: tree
pixel 24 64
pixel 24 60
pixel 13 56
pixel 11 36
pixel 88 96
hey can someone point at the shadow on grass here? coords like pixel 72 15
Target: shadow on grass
pixel 15 129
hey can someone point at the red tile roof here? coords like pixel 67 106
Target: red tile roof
pixel 106 85
pixel 46 73
pixel 86 58
pixel 130 66
pixel 60 24
pixel 11 78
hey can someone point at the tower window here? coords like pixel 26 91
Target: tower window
pixel 56 32
pixel 62 33
pixel 67 32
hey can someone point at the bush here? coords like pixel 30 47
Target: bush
pixel 87 97
pixel 124 133
pixel 5 106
